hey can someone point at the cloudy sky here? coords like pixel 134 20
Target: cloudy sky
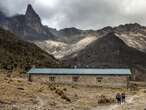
pixel 83 14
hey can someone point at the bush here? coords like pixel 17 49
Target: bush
pixel 64 89
pixel 20 88
pixel 62 95
pixel 59 92
pixel 66 98
pixel 104 100
pixel 144 91
pixel 52 88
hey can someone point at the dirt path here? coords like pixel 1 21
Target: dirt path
pixel 42 101
pixel 116 106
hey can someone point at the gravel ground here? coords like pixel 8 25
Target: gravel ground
pixel 16 93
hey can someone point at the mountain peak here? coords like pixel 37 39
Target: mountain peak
pixel 112 37
pixel 131 27
pixel 29 6
pixel 30 12
pixel 31 16
pixel 71 31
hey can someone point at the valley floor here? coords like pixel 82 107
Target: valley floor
pixel 135 102
pixel 16 93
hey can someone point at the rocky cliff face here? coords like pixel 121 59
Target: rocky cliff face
pixel 27 26
pixel 107 51
pixel 32 17
pixel 134 35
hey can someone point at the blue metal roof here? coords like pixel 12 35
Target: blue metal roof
pixel 78 71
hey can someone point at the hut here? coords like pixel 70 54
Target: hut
pixel 113 77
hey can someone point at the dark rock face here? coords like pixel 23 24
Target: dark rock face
pixel 27 26
pixel 70 31
pixel 32 19
pixel 31 15
pixel 21 54
pixel 108 51
pixel 129 27
pixel 105 30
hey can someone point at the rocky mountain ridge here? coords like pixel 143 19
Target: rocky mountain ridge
pixel 65 43
pixel 107 51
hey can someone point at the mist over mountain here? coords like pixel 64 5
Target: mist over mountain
pixel 73 45
pixel 28 26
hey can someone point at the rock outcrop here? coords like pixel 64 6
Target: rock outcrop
pixel 28 26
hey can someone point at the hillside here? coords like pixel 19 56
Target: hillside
pixel 107 51
pixel 18 53
pixel 19 94
pixel 64 42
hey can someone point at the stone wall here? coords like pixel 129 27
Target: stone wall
pixel 86 80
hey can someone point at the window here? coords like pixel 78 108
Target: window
pixel 52 78
pixel 99 79
pixel 75 78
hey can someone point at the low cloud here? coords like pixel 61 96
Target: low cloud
pixel 84 14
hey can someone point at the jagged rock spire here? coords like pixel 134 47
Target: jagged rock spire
pixel 2 16
pixel 31 14
pixel 30 10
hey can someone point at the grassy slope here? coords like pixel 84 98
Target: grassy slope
pixel 18 53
